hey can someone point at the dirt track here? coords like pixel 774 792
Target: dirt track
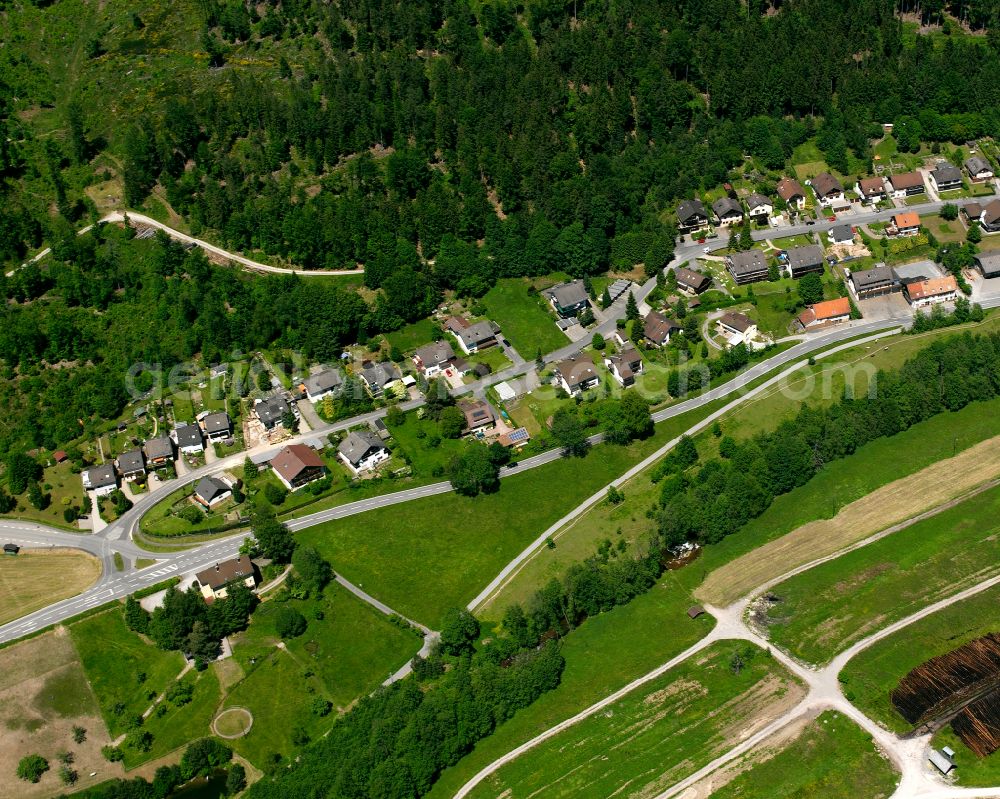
pixel 898 502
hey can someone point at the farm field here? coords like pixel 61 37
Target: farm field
pixel 44 695
pixel 871 675
pixel 522 317
pixel 659 733
pixel 831 758
pixel 891 504
pixel 35 579
pixel 898 468
pixel 602 655
pixel 825 609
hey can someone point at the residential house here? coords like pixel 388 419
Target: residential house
pixel 212 491
pixel 216 579
pixel 737 327
pixel 576 374
pixel 568 299
pixel 747 267
pixel 296 465
pixel 841 234
pixel 271 412
pixel 870 190
pixel 432 359
pixel 692 282
pixel 931 291
pixel 188 439
pixel 217 426
pixel 473 337
pixel 691 214
pixel 972 211
pixel 376 376
pixel 978 168
pixel 906 224
pixel 875 282
pixel 988 263
pixel 828 190
pixel 946 177
pixel 131 465
pixel 321 384
pixel 829 312
pixel 100 479
pixel 515 438
pixel 728 211
pixel 478 414
pixel 803 260
pixel 362 451
pixel 989 219
pixel 907 184
pixel 159 452
pixel 791 191
pixel 759 207
pixel 657 328
pixel 624 365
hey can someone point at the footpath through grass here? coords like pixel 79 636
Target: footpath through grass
pixel 658 734
pixel 602 655
pixel 870 676
pixel 832 758
pixel 829 607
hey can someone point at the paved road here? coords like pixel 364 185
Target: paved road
pixel 117 537
pixel 918 780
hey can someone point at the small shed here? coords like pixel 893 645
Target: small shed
pixel 695 611
pixel 11 549
pixel 59 455
pixel 941 760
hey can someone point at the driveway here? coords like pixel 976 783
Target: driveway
pixel 96 522
pixel 308 418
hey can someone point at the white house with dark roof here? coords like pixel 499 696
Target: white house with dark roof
pixel 691 214
pixel 432 359
pixel 132 465
pixel 217 426
pixel 946 177
pixel 759 207
pixel 271 411
pixel 211 491
pixel 728 211
pixel 805 259
pixel 188 439
pixel 567 299
pixel 625 365
pixel 376 376
pixel 841 234
pixel 322 384
pixel 216 579
pixel 747 267
pixel 472 337
pixel 828 190
pixel 362 451
pixel 576 374
pixel 159 452
pixel 738 328
pixel 978 169
pixel 100 479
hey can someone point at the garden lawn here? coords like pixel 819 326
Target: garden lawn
pixel 279 695
pixel 524 320
pixel 64 489
pixel 831 758
pixel 827 608
pixel 114 658
pixel 871 675
pixel 35 579
pixel 605 653
pixel 656 735
pixel 415 438
pixel 408 338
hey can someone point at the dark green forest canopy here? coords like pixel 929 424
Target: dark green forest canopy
pixel 337 133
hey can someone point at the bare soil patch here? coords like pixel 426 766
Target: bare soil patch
pixel 892 504
pixel 44 695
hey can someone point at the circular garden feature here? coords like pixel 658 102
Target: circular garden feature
pixel 233 722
